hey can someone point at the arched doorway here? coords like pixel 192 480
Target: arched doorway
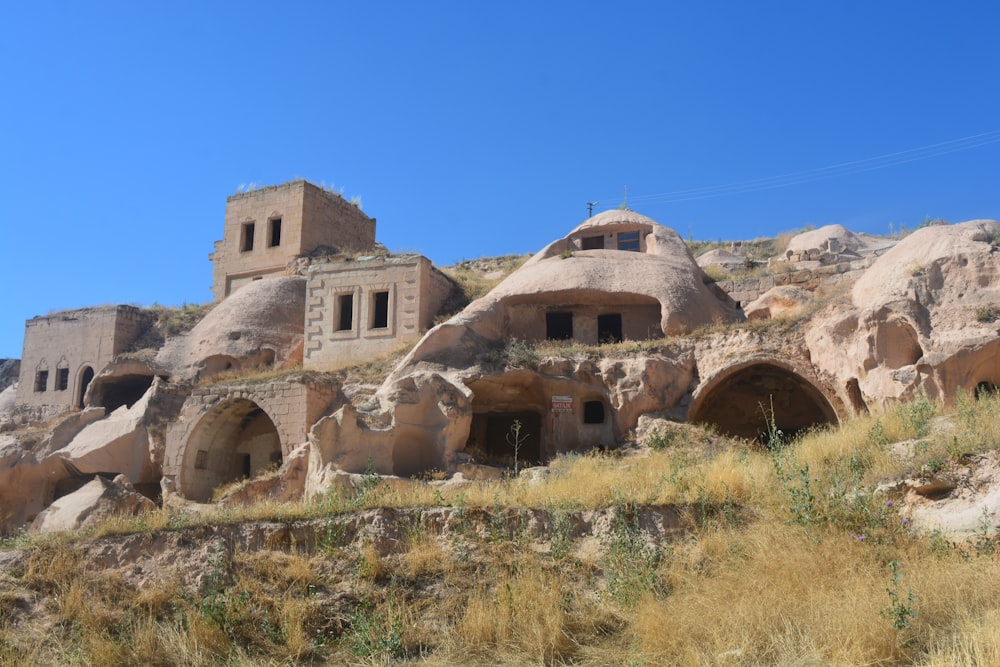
pixel 85 379
pixel 740 400
pixel 234 440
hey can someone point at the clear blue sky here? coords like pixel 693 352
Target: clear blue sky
pixel 474 128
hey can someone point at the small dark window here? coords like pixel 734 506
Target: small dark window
pixel 628 241
pixel 380 310
pixel 609 328
pixel 246 466
pixel 345 316
pixel 62 379
pixel 201 459
pixel 41 380
pixel 558 326
pixel 274 238
pixel 593 412
pixel 593 242
pixel 247 245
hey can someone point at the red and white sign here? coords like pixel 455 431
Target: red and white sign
pixel 562 404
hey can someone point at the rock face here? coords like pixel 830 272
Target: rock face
pixel 91 504
pixel 261 324
pixel 922 318
pixel 611 326
pixel 9 371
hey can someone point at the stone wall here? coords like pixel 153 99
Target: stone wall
pixel 59 349
pixel 287 221
pixel 214 420
pixel 745 290
pixel 391 301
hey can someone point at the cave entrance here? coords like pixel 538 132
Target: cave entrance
pixel 985 390
pixel 738 403
pixel 112 393
pixel 491 437
pixel 234 440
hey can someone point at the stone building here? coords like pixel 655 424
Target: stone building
pixel 366 308
pixel 63 351
pixel 267 228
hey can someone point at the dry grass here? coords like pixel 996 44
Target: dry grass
pixel 784 580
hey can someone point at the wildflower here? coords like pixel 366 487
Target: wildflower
pixel 861 538
pixel 888 503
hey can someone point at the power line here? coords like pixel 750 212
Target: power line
pixel 820 173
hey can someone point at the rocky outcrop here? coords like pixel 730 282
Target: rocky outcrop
pixel 919 319
pixel 41 465
pixel 9 371
pixel 259 325
pixel 92 504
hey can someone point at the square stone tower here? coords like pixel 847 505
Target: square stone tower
pixel 267 228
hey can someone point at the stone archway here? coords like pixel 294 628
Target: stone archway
pixel 235 439
pixel 739 399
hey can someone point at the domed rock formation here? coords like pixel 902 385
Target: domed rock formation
pixel 260 324
pixel 923 316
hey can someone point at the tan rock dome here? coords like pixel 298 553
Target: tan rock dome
pixel 617 276
pixel 259 324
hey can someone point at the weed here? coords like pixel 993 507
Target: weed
pixel 629 562
pixel 900 611
pixel 916 416
pixel 660 438
pixel 561 543
pixel 984 542
pixel 798 486
pixel 516 439
pixel 518 353
pixel 987 314
pixel 376 631
pixel 876 437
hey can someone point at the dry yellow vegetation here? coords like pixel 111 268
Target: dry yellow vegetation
pixel 783 555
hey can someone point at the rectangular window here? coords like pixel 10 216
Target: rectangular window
pixel 628 241
pixel 274 235
pixel 593 243
pixel 593 412
pixel 41 380
pixel 380 310
pixel 62 379
pixel 247 244
pixel 558 326
pixel 201 459
pixel 345 312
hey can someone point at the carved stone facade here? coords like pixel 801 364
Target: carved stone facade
pixel 225 433
pixel 366 308
pixel 63 352
pixel 265 229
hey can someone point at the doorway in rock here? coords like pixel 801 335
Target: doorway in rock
pixel 558 326
pixel 740 402
pixel 85 379
pixel 234 440
pixel 492 435
pixel 609 328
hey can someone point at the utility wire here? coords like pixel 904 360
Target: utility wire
pixel 820 173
